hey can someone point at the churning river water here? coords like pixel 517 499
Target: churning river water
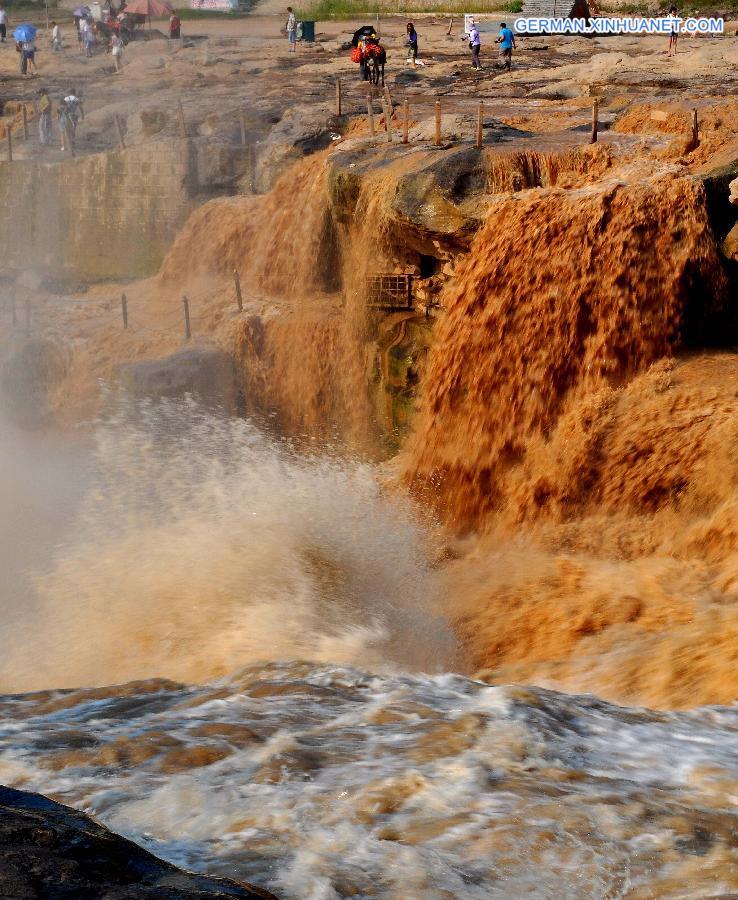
pixel 232 653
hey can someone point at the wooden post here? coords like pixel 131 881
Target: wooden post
pixel 406 123
pixel 480 124
pixel 338 97
pixel 438 123
pixel 387 120
pixel 10 145
pixel 28 316
pixel 237 283
pixel 188 330
pixel 387 96
pixel 182 124
pixel 450 26
pixel 24 112
pixel 695 130
pixel 119 129
pixel 124 309
pixel 369 112
pixel 242 121
pixel 595 118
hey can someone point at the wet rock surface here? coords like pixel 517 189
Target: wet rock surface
pixel 205 372
pixel 50 851
pixel 299 133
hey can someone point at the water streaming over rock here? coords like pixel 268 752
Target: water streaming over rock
pixel 324 782
pixel 563 293
pixel 206 560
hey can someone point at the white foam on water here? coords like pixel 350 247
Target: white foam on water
pixel 357 784
pixel 203 546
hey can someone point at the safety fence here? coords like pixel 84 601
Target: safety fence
pixel 19 129
pixel 27 313
pixel 387 118
pixel 394 118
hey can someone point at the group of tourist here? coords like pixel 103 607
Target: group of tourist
pixel 114 26
pixel 69 112
pixel 506 40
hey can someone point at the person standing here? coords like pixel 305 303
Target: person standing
pixel 28 50
pixel 84 26
pixel 21 57
pixel 66 130
pixel 412 44
pixel 475 44
pixel 291 30
pixel 674 31
pixel 175 27
pixel 506 40
pixel 89 40
pixel 116 49
pixel 45 132
pixel 56 41
pixel 3 24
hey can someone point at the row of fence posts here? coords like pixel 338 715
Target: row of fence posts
pixel 24 113
pixel 388 109
pixel 118 129
pixel 185 307
pixel 124 308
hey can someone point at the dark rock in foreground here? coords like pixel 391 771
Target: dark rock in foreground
pixel 52 852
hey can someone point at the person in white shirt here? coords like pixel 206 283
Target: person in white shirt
pixel 291 29
pixel 116 48
pixel 83 26
pixel 75 109
pixel 56 41
pixel 3 24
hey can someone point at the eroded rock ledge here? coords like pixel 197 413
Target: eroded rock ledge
pixel 50 851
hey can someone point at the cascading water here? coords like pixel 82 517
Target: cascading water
pixel 245 657
pixel 201 545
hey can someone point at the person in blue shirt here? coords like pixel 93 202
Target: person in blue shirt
pixel 506 40
pixel 474 45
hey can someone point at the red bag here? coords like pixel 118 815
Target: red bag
pixel 356 55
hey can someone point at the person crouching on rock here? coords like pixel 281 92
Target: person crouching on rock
pixel 506 40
